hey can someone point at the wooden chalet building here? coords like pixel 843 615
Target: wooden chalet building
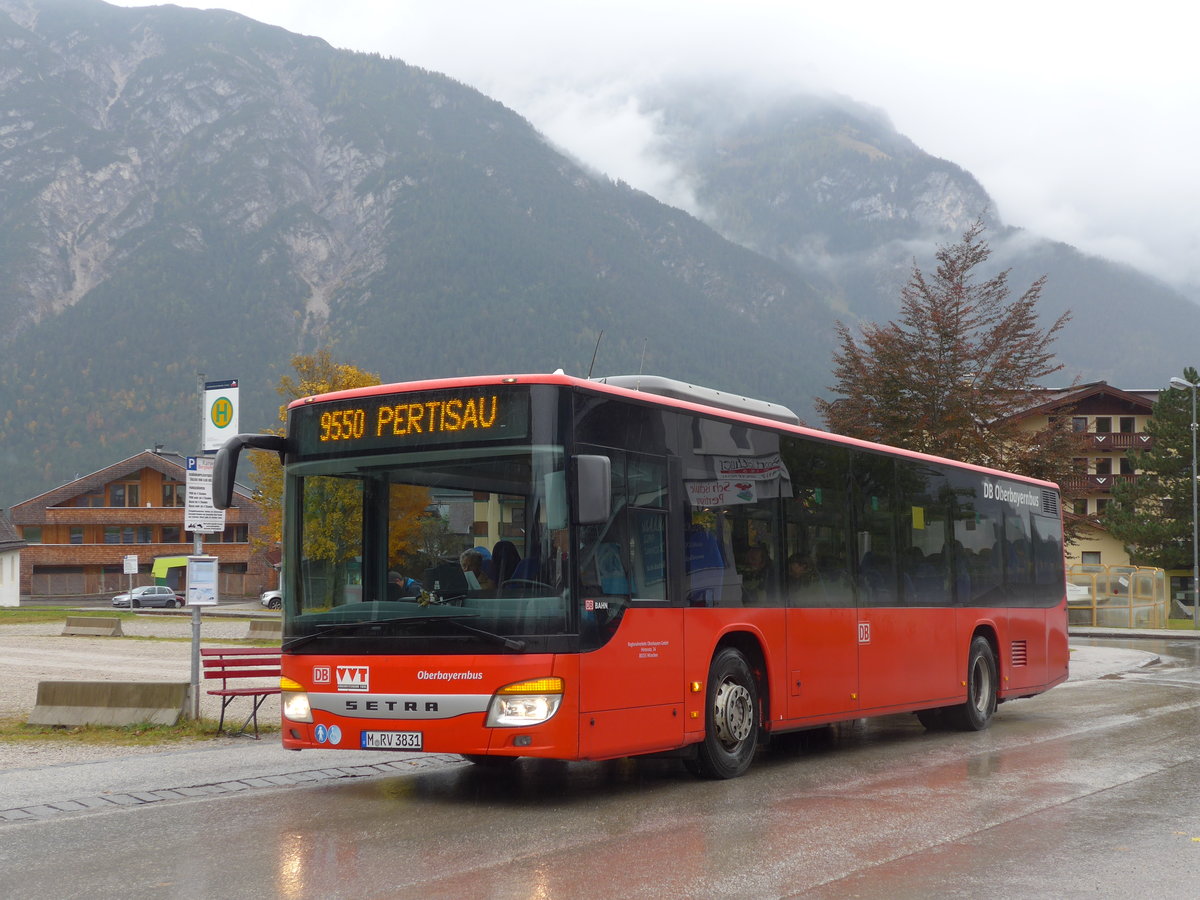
pixel 1112 422
pixel 77 535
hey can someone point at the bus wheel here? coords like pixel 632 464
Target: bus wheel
pixel 932 719
pixel 731 724
pixel 982 683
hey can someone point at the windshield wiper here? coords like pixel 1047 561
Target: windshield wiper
pixel 509 643
pixel 456 621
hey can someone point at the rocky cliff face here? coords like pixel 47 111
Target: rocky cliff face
pixel 133 126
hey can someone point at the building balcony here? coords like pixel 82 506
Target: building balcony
pixel 1091 484
pixel 1118 441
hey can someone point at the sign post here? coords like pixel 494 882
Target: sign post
pixel 200 517
pixel 130 569
pixel 220 413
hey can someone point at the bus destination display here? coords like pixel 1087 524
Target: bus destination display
pixel 399 420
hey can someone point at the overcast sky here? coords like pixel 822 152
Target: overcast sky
pixel 1081 119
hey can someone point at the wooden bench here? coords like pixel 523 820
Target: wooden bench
pixel 235 663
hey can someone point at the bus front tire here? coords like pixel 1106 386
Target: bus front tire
pixel 982 685
pixel 731 720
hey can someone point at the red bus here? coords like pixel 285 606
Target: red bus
pixel 668 570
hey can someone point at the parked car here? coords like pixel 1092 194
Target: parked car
pixel 271 599
pixel 150 595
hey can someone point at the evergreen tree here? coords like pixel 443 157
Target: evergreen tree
pixel 1152 514
pixel 948 377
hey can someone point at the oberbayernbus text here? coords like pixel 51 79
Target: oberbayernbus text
pixel 662 569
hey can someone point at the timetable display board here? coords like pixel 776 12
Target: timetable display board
pixel 396 421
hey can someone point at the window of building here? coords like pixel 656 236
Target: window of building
pixel 1079 507
pixel 1079 424
pixel 1080 465
pixel 32 534
pixel 233 534
pixel 76 534
pixel 124 494
pixel 1090 557
pixel 1127 425
pixel 1101 503
pixel 112 534
pixel 145 534
pixel 170 534
pixel 174 494
pixel 1104 465
pixel 94 500
pixel 1126 466
pixel 1103 424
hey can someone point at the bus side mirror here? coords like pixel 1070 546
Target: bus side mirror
pixel 593 486
pixel 225 465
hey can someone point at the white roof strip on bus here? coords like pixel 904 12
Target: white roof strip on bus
pixel 681 390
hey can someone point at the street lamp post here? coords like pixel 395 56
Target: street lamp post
pixel 1179 382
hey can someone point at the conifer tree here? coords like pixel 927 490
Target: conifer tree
pixel 1152 514
pixel 949 375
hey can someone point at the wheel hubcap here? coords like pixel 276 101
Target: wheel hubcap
pixel 733 713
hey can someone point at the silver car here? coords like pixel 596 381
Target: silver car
pixel 271 599
pixel 149 595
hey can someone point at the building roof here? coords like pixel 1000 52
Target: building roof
pixel 171 464
pixel 1092 397
pixel 9 539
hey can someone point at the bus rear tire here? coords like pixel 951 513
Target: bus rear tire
pixel 982 686
pixel 731 723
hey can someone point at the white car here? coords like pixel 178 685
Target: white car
pixel 271 599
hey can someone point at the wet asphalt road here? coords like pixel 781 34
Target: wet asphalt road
pixel 1090 790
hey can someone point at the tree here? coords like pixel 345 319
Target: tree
pixel 1152 514
pixel 337 530
pixel 948 377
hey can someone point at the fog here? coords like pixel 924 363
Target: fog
pixel 1078 118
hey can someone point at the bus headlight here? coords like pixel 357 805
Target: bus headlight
pixel 525 703
pixel 294 701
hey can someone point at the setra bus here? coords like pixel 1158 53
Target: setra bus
pixel 673 570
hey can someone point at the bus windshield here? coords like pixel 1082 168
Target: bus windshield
pixel 359 522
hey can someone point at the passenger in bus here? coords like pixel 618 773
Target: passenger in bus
pixel 758 581
pixel 472 566
pixel 802 581
pixel 401 588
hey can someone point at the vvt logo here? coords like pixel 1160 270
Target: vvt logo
pixel 353 678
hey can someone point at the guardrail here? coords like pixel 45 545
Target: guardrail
pixel 1117 596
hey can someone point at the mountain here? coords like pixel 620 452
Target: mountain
pixel 826 185
pixel 188 192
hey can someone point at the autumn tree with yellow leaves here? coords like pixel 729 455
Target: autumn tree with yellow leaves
pixel 340 526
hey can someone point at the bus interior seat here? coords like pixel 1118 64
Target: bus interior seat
pixel 505 557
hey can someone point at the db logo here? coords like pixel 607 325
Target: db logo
pixel 864 632
pixel 353 678
pixel 322 675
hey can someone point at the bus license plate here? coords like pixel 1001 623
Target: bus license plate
pixel 392 740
